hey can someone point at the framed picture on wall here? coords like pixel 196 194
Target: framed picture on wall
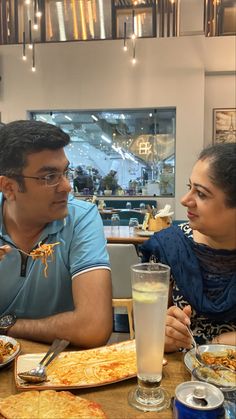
pixel 224 125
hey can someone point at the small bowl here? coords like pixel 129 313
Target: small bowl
pixel 225 380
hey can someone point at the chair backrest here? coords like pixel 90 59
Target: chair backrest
pixel 122 256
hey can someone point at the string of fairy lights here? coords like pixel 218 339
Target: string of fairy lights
pixel 31 27
pixel 32 21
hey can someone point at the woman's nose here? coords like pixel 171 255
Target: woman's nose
pixel 187 200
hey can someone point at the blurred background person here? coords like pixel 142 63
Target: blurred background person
pixel 109 182
pixel 82 182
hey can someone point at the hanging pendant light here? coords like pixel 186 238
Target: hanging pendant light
pixel 30 35
pixel 23 48
pixel 33 58
pixel 125 40
pixel 133 31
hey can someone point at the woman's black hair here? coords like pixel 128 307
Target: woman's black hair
pixel 222 161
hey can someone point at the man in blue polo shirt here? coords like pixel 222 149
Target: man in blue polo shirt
pixel 74 300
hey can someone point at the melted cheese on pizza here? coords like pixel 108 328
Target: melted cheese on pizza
pixel 95 366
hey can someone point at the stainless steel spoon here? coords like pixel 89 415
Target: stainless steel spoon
pixel 38 374
pixel 196 348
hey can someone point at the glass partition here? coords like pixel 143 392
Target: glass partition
pixel 120 152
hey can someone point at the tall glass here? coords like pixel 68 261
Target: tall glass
pixel 150 286
pixel 133 224
pixel 115 222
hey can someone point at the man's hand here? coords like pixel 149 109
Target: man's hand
pixel 4 250
pixel 176 332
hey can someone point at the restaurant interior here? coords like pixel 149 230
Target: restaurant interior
pixel 140 86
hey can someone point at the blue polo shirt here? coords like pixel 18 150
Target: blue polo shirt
pixel 25 291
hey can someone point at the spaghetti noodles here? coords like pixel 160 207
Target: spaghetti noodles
pixel 44 252
pixel 226 358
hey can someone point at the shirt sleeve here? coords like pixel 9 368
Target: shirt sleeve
pixel 88 246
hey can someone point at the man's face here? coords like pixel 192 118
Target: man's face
pixel 40 202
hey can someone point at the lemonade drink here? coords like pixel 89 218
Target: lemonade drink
pixel 150 288
pixel 150 304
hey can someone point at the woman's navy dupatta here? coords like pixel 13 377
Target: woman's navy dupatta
pixel 172 247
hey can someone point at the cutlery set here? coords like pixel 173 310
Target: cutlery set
pixel 38 374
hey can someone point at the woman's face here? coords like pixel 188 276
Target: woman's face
pixel 205 202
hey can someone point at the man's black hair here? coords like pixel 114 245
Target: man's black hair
pixel 19 139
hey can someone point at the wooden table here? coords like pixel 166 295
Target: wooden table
pixel 113 397
pixel 122 235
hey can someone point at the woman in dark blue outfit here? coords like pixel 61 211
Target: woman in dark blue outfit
pixel 202 254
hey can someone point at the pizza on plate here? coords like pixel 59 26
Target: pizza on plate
pixel 93 367
pixel 49 404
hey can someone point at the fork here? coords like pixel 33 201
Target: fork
pixel 38 374
pixel 13 245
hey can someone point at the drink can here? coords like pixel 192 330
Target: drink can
pixel 198 400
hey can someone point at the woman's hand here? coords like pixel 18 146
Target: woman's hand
pixel 176 332
pixel 4 250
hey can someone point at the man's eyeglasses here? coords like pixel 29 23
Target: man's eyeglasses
pixel 52 179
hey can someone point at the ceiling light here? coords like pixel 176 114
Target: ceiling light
pixel 134 54
pixel 101 18
pixel 68 117
pixel 60 16
pixel 125 46
pixel 133 36
pixel 94 118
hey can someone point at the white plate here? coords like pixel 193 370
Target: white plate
pixel 88 364
pixel 190 359
pixel 84 367
pixel 145 233
pixel 16 345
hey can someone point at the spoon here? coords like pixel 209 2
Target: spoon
pixel 38 374
pixel 196 348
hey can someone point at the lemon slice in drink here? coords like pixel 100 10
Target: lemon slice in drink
pixel 147 293
pixel 143 293
pixel 144 297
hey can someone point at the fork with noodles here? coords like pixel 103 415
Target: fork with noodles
pixel 44 252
